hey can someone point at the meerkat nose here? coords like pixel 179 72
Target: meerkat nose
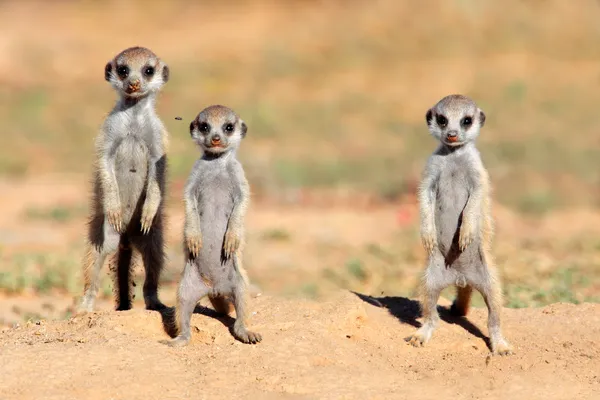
pixel 452 134
pixel 216 139
pixel 134 84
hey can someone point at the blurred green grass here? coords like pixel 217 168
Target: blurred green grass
pixel 317 118
pixel 334 95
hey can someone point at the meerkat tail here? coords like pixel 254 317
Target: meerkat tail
pixel 460 306
pixel 221 304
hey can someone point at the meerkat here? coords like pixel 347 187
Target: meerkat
pixel 456 222
pixel 129 181
pixel 216 198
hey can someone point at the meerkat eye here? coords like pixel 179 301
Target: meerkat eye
pixel 149 71
pixel 441 120
pixel 204 127
pixel 466 122
pixel 229 128
pixel 123 71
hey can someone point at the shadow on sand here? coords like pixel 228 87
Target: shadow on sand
pixel 407 311
pixel 168 318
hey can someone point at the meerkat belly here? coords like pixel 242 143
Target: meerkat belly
pixel 452 196
pixel 215 207
pixel 131 170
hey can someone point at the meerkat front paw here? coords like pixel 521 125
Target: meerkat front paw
pixel 429 237
pixel 148 212
pixel 114 216
pixel 466 236
pixel 193 241
pixel 233 239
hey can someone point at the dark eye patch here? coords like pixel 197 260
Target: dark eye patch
pixel 228 128
pixel 441 120
pixel 148 71
pixel 466 122
pixel 204 127
pixel 123 71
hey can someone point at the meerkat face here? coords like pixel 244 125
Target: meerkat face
pixel 136 72
pixel 455 120
pixel 218 129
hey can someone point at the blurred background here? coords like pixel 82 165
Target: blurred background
pixel 335 95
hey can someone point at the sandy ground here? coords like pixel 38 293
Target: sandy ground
pixel 344 345
pixel 348 347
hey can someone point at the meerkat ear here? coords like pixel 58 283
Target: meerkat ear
pixel 481 118
pixel 165 73
pixel 429 116
pixel 192 126
pixel 244 129
pixel 107 71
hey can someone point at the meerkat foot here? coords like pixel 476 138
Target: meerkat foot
pixel 85 306
pixel 246 336
pixel 154 304
pixel 415 340
pixel 501 347
pixel 179 341
pixel 422 335
pixel 123 307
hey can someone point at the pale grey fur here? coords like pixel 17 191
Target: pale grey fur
pixel 129 180
pixel 216 198
pixel 456 223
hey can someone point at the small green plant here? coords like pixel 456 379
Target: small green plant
pixel 56 213
pixel 537 203
pixel 311 290
pixel 356 268
pixel 276 235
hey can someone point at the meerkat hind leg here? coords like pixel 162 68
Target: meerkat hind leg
pixel 152 249
pixel 239 326
pixel 490 290
pixel 191 290
pixel 95 256
pixel 435 279
pixel 124 269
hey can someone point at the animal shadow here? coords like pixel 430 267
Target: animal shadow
pixel 170 327
pixel 407 311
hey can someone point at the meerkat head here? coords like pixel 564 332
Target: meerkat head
pixel 136 72
pixel 455 120
pixel 217 129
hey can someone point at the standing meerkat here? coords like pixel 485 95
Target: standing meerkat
pixel 129 180
pixel 216 198
pixel 456 224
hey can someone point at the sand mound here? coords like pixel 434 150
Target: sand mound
pixel 349 347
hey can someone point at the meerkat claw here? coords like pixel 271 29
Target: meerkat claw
pixel 194 245
pixel 232 243
pixel 114 219
pixel 429 243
